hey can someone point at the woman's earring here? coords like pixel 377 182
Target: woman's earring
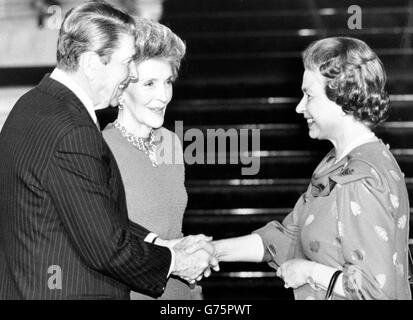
pixel 121 102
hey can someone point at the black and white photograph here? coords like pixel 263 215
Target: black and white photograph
pixel 206 154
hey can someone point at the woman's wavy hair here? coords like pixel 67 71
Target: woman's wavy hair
pixel 355 77
pixel 92 26
pixel 154 40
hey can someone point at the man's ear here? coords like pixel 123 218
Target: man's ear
pixel 91 64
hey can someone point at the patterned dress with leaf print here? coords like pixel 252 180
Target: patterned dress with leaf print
pixel 354 216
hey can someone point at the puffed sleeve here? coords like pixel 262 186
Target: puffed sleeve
pixel 366 230
pixel 280 239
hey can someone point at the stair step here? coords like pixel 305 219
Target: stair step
pixel 277 165
pixel 264 110
pixel 272 73
pixel 250 193
pixel 253 85
pixel 287 40
pixel 232 222
pixel 289 68
pixel 237 194
pixel 399 135
pixel 269 167
pixel 236 222
pixel 214 6
pixel 331 18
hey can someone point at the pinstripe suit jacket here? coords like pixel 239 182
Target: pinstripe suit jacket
pixel 64 229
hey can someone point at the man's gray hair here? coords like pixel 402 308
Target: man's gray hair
pixel 92 26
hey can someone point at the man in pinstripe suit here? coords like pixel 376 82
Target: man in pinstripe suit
pixel 64 228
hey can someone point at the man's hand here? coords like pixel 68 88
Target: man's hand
pixel 194 256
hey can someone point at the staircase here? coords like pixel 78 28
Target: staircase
pixel 243 70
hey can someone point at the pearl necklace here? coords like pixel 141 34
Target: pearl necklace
pixel 148 145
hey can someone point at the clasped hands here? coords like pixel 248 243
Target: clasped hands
pixel 194 257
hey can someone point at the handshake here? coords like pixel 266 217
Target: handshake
pixel 195 256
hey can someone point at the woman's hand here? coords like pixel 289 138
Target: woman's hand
pixel 296 272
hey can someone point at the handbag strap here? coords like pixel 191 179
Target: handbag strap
pixel 410 266
pixel 331 285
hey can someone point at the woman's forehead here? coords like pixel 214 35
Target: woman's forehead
pixel 312 80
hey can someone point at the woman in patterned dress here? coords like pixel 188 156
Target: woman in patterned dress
pixel 353 220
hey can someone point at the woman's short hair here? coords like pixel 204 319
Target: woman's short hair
pixel 154 40
pixel 355 77
pixel 92 26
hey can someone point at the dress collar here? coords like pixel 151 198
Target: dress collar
pixel 367 137
pixel 323 179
